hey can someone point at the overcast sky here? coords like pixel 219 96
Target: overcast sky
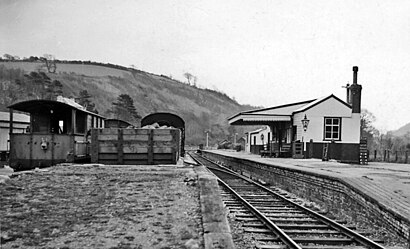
pixel 263 53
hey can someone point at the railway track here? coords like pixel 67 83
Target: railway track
pixel 277 221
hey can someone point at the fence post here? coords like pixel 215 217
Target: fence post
pixel 407 157
pixel 384 155
pixel 397 157
pixel 375 155
pixel 310 148
pixel 388 155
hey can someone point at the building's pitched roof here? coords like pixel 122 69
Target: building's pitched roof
pixel 278 113
pixel 318 101
pixel 276 110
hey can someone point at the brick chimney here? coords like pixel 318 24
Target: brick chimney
pixel 355 92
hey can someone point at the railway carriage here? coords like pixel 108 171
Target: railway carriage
pixel 58 132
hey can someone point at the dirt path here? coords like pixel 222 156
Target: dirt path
pixel 91 206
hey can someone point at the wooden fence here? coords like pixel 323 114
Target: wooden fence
pixel 389 156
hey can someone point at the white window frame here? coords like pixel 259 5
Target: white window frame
pixel 329 129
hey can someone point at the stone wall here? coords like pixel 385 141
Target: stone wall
pixel 341 200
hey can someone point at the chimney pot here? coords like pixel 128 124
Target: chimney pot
pixel 355 69
pixel 355 93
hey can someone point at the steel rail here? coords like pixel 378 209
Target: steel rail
pixel 279 232
pixel 352 234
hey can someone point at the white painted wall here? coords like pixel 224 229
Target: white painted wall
pixel 351 129
pixel 247 144
pixel 331 107
pixel 257 136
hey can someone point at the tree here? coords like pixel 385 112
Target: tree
pixel 84 100
pixel 57 88
pixel 49 63
pixel 37 84
pixel 189 77
pixel 195 80
pixel 33 58
pixel 124 109
pixel 41 86
pixel 367 129
pixel 8 57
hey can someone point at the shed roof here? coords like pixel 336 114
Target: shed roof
pixel 41 105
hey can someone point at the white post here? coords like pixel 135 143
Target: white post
pixel 206 139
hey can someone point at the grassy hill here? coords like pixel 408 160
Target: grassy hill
pixel 402 131
pixel 202 109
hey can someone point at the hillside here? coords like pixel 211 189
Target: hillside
pixel 402 130
pixel 202 109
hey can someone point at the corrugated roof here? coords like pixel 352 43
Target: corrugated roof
pixel 42 104
pixel 70 102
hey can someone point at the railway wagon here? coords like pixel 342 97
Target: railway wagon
pixel 116 123
pixel 167 119
pixel 20 123
pixel 58 132
pixel 129 146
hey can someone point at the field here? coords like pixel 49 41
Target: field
pixel 95 206
pixel 80 69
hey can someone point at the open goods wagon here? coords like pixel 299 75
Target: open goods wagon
pixel 169 120
pixel 135 146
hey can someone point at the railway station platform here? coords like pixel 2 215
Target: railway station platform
pixel 385 186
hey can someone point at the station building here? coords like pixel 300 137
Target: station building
pixel 323 127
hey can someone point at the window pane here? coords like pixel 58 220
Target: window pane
pixel 332 128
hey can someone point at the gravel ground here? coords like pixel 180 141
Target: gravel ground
pixel 95 206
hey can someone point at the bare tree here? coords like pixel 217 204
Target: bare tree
pixel 195 80
pixel 49 63
pixel 189 77
pixel 8 57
